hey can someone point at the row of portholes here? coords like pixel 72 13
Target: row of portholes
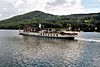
pixel 47 34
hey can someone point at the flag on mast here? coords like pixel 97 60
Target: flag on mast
pixel 39 25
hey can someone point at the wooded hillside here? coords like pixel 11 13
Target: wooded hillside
pixel 83 22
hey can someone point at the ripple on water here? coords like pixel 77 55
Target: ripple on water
pixel 26 51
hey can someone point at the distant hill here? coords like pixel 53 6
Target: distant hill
pixel 84 22
pixel 33 15
pixel 28 18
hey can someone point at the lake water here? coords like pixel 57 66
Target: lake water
pixel 26 51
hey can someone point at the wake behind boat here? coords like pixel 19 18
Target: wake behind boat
pixel 49 33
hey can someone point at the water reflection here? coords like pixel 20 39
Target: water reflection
pixel 48 52
pixel 28 51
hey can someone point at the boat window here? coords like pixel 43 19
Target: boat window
pixel 56 34
pixel 53 35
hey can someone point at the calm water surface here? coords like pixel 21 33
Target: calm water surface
pixel 26 51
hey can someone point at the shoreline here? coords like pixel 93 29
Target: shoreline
pixel 71 30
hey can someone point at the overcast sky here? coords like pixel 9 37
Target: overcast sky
pixel 9 8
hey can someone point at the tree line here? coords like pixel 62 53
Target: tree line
pixel 79 22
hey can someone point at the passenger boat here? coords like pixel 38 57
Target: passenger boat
pixel 49 33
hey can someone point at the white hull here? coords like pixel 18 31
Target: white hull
pixel 48 35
